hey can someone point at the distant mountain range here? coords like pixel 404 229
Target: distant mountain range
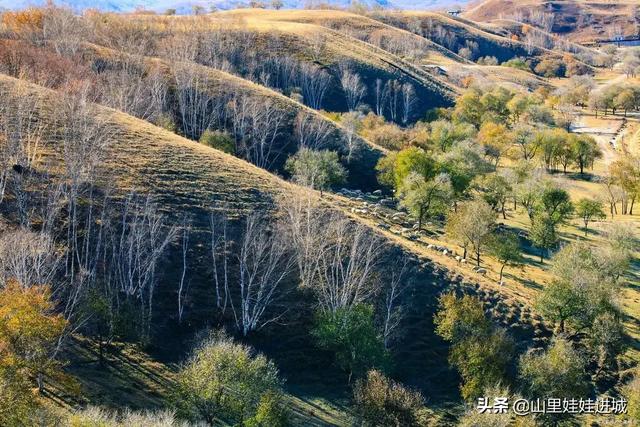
pixel 185 6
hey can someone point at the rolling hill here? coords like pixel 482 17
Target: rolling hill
pixel 186 6
pixel 578 20
pixel 188 178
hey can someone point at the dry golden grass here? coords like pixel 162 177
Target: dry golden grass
pixel 221 83
pixel 339 44
pixel 603 15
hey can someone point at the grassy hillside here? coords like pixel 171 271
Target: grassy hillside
pixel 312 36
pixel 579 20
pixel 151 239
pixel 186 177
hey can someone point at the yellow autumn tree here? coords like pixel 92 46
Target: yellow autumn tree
pixel 29 331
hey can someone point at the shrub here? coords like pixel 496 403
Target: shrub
pixel 550 68
pixel 219 140
pixel 381 401
pixel 519 63
pixel 225 380
pixel 316 169
pixel 488 60
pixel 558 372
pixel 93 416
pixel 632 393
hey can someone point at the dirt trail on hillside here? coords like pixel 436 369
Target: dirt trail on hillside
pixel 606 132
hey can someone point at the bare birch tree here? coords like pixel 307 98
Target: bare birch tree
pixel 303 224
pixel 347 271
pixel 263 263
pixel 408 101
pixel 254 270
pixel 183 289
pixel 351 123
pixel 29 258
pixel 196 104
pixel 138 244
pixel 393 310
pixel 311 131
pixel 256 125
pixel 353 88
pixel 314 82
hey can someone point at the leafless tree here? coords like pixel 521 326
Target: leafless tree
pixel 63 30
pixel 380 95
pixel 318 43
pixel 137 92
pixel 219 260
pixel 256 125
pixel 263 264
pixel 347 271
pixel 392 93
pixel 199 109
pixel 28 257
pixel 84 140
pixel 259 262
pixel 137 246
pixel 303 225
pixel 314 83
pixel 351 123
pixel 182 289
pixel 408 101
pixel 394 291
pixel 353 88
pixel 312 131
pixel 21 135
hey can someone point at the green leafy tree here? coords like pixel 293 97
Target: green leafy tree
pixel 319 170
pixel 585 151
pixel 350 335
pixel 607 340
pixel 380 401
pixel 582 289
pixel 495 189
pixel 224 380
pixel 505 247
pixel 558 372
pixel 271 412
pixel 481 352
pixel 426 198
pixel 469 108
pixel 394 168
pixel 555 203
pixel 445 134
pixel 543 234
pixel 589 210
pixel 471 225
